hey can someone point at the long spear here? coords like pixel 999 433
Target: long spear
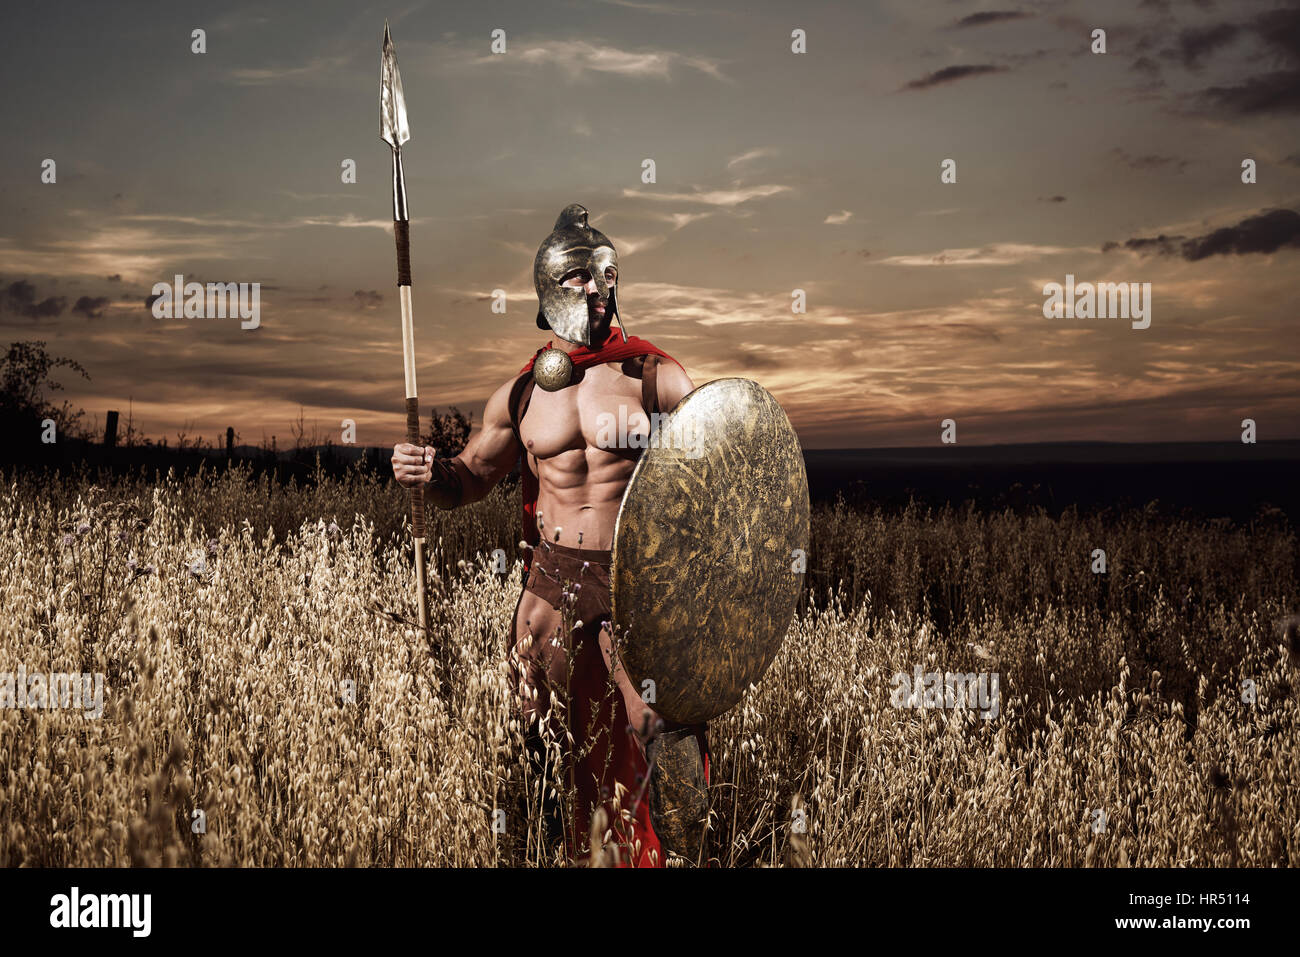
pixel 395 132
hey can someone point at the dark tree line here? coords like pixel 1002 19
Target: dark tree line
pixel 26 408
pixel 29 380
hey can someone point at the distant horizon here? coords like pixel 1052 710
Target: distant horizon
pixel 936 446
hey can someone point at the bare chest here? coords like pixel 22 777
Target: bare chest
pixel 601 412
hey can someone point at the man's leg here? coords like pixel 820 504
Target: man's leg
pixel 530 662
pixel 677 757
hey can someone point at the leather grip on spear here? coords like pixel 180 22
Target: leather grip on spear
pixel 417 493
pixel 402 232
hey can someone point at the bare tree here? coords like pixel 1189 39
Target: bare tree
pixel 448 431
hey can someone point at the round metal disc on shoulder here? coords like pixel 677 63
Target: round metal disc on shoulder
pixel 553 370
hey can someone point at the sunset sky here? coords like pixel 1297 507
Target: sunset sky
pixel 775 171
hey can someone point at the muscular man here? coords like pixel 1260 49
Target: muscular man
pixel 573 479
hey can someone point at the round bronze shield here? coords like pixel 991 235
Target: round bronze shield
pixel 709 550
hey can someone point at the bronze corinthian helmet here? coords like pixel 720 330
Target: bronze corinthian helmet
pixel 573 245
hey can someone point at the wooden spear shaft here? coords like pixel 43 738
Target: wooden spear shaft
pixel 402 231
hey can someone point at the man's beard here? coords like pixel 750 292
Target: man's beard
pixel 600 325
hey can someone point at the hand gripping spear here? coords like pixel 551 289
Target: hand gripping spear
pixel 395 132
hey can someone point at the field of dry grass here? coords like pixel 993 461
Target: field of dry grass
pixel 248 677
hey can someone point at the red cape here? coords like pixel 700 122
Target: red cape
pixel 613 349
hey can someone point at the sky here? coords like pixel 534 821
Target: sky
pixel 775 171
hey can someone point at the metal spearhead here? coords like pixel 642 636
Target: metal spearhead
pixel 392 102
pixel 392 120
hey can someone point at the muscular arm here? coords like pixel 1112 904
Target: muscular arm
pixel 672 384
pixel 492 453
pixel 488 457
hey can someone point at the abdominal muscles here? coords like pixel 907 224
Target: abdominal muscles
pixel 579 496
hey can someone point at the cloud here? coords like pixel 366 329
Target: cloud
pixel 652 7
pixel 711 306
pixel 1271 93
pixel 315 68
pixel 951 74
pixel 996 254
pixel 715 197
pixel 1198 43
pixel 1144 64
pixel 207 222
pixel 840 218
pixel 748 357
pixel 681 219
pixel 20 298
pixel 628 245
pixel 1162 244
pixel 577 57
pixel 347 222
pixel 130 246
pixel 685 219
pixel 1147 161
pixel 753 154
pixel 368 299
pixel 1263 233
pixel 460 297
pixel 1275 92
pixel 91 308
pixel 1280 29
pixel 990 16
pixel 315 197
